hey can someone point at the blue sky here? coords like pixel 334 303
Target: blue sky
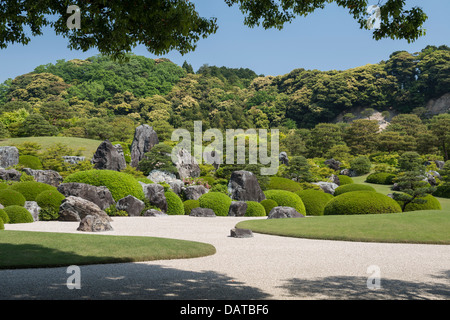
pixel 328 39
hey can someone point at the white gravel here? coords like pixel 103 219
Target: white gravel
pixel 261 267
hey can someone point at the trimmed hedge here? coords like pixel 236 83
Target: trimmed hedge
pixel 18 214
pixel 268 205
pixel 120 184
pixel 442 191
pixel 50 199
pixel 361 202
pixel 4 216
pixel 286 199
pixel 381 178
pixel 2 226
pixel 189 205
pixel 217 201
pixel 353 187
pixel 343 179
pixel 9 197
pixel 31 189
pixel 314 201
pixel 174 203
pixel 32 162
pixel 431 204
pixel 255 209
pixel 280 183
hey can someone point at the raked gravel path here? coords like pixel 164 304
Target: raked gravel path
pixel 257 268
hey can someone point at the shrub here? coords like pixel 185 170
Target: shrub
pixel 286 199
pixel 2 226
pixel 50 199
pixel 442 191
pixel 431 204
pixel 217 201
pixel 18 214
pixel 189 205
pixel 361 202
pixel 381 178
pixel 48 213
pixel 268 205
pixel 314 201
pixel 31 162
pixel 255 209
pixel 280 183
pixel 361 165
pixel 4 216
pixel 343 179
pixel 3 185
pixel 353 187
pixel 174 203
pixel 120 184
pixel 9 197
pixel 31 189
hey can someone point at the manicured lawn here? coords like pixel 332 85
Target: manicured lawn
pixel 429 226
pixel 21 249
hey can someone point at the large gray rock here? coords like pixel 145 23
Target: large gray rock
pixel 283 158
pixel 284 212
pixel 244 186
pixel 101 196
pixel 328 187
pixel 94 223
pixel 154 213
pixel 132 205
pixel 10 174
pixel 333 164
pixel 155 194
pixel 202 212
pixel 194 192
pixel 186 164
pixel 237 209
pixel 175 184
pixel 33 208
pixel 145 138
pixel 76 209
pixel 50 177
pixel 73 159
pixel 241 233
pixel 9 156
pixel 348 172
pixel 106 157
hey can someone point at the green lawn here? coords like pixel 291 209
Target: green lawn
pixel 21 249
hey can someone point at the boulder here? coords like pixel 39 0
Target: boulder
pixel 76 208
pixel 328 187
pixel 50 177
pixel 101 196
pixel 283 158
pixel 9 156
pixel 94 223
pixel 145 138
pixel 106 157
pixel 175 184
pixel 155 194
pixel 186 165
pixel 237 209
pixel 10 174
pixel 132 205
pixel 202 212
pixel 335 179
pixel 333 164
pixel 73 159
pixel 439 164
pixel 154 213
pixel 348 172
pixel 194 192
pixel 33 208
pixel 244 186
pixel 241 233
pixel 284 212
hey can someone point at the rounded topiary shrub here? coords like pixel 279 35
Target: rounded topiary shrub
pixel 286 199
pixel 343 179
pixel 381 178
pixel 189 205
pixel 2 226
pixel 361 202
pixel 9 197
pixel 280 183
pixel 120 184
pixel 18 214
pixel 174 203
pixel 4 216
pixel 31 189
pixel 314 201
pixel 32 162
pixel 255 209
pixel 442 191
pixel 217 201
pixel 353 187
pixel 50 199
pixel 268 205
pixel 3 185
pixel 431 204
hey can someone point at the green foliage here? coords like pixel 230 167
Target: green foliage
pixel 10 197
pixel 411 161
pixel 255 209
pixel 314 201
pixel 50 199
pixel 2 225
pixel 268 205
pixel 119 184
pixel 343 179
pixel 36 126
pixel 114 212
pixel 48 214
pixel 430 203
pixel 174 203
pixel 299 169
pixel 31 189
pixel 4 218
pixel 442 191
pixel 286 199
pixel 381 178
pixel 412 188
pixel 18 214
pixel 159 158
pixel 217 201
pixel 361 202
pixel 32 162
pixel 280 183
pixel 189 205
pixel 361 165
pixel 353 187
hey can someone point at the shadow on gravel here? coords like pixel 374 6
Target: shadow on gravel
pixel 127 281
pixel 349 288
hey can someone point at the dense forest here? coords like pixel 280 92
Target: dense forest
pixel 98 98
